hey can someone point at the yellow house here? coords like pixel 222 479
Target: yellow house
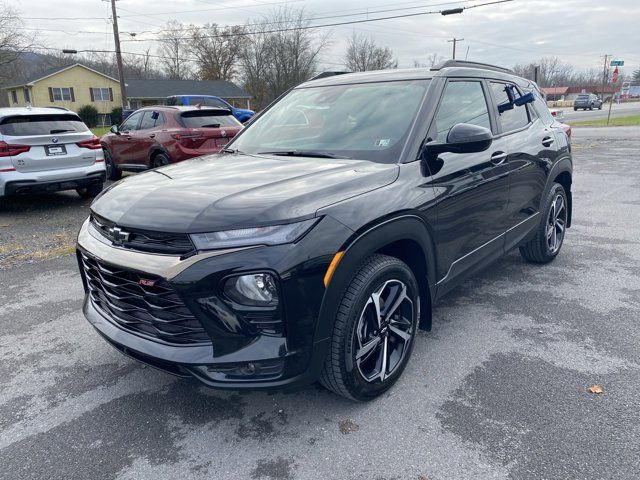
pixel 72 87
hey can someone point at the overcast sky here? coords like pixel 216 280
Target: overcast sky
pixel 578 31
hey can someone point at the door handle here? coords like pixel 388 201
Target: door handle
pixel 153 135
pixel 128 138
pixel 547 141
pixel 498 157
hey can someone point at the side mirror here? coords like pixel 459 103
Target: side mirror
pixel 462 138
pixel 114 129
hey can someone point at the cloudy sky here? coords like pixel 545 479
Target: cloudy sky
pixel 578 31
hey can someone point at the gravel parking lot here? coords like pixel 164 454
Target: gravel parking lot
pixel 497 390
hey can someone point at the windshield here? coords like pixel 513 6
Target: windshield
pixel 208 118
pixel 26 125
pixel 368 121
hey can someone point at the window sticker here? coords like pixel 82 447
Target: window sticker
pixel 383 142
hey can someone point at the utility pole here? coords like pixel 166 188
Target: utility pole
pixel 116 39
pixel 455 40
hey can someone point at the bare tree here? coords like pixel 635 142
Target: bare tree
pixel 216 50
pixel 139 66
pixel 433 60
pixel 363 54
pixel 274 60
pixel 173 50
pixel 13 40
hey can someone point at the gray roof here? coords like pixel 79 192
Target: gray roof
pixel 160 88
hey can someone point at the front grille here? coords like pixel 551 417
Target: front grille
pixel 150 308
pixel 143 240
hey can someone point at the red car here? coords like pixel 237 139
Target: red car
pixel 160 135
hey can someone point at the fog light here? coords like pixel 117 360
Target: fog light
pixel 256 289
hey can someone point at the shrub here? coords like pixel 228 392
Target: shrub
pixel 89 115
pixel 116 116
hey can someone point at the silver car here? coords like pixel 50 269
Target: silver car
pixel 48 150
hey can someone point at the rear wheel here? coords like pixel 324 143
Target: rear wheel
pixel 590 107
pixel 113 172
pixel 160 160
pixel 546 245
pixel 374 330
pixel 575 109
pixel 91 191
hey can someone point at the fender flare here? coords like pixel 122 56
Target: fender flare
pixel 561 166
pixel 156 148
pixel 364 243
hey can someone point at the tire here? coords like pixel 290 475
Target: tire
pixel 113 172
pixel 545 246
pixel 575 109
pixel 590 107
pixel 159 160
pixel 91 191
pixel 356 327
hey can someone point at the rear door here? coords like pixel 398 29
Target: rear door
pixel 532 150
pixel 473 186
pixel 49 141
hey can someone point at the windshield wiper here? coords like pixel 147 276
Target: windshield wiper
pixel 210 125
pixel 230 150
pixel 61 131
pixel 303 153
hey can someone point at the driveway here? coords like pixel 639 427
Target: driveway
pixel 497 390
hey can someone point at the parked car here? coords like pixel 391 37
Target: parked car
pixel 587 101
pixel 48 150
pixel 315 249
pixel 242 114
pixel 155 136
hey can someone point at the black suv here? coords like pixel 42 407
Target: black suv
pixel 315 245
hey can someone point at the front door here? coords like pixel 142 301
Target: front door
pixel 122 144
pixel 471 189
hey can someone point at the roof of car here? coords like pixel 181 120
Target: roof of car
pixel 448 69
pixel 13 111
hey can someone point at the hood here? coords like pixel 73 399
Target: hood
pixel 219 192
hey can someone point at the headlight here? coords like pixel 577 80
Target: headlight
pixel 258 289
pixel 271 235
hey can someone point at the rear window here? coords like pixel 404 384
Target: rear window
pixel 25 125
pixel 582 97
pixel 208 119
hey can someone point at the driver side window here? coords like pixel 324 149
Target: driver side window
pixel 131 123
pixel 462 102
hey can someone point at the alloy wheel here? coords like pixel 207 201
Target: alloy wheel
pixel 384 331
pixel 556 223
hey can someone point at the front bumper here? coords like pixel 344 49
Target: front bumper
pixel 238 356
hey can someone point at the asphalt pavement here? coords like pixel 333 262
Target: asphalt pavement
pixel 498 389
pixel 617 110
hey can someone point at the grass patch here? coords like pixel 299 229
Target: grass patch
pixel 632 120
pixel 99 131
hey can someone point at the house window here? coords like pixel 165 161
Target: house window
pixel 27 98
pixel 101 94
pixel 14 96
pixel 61 94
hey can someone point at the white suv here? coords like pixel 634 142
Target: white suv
pixel 47 150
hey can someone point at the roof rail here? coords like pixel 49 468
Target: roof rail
pixel 326 74
pixel 464 63
pixel 60 108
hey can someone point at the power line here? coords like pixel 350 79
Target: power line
pixel 334 24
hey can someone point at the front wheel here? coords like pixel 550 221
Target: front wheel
pixel 113 172
pixel 374 330
pixel 546 244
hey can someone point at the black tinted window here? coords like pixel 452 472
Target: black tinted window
pixel 511 119
pixel 462 102
pixel 208 118
pixel 41 124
